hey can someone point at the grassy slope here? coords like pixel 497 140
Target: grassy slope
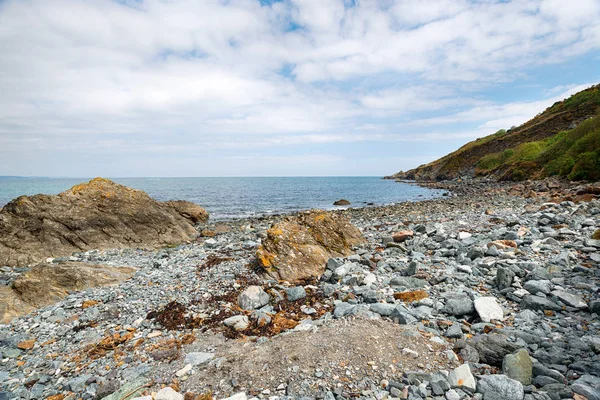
pixel 495 154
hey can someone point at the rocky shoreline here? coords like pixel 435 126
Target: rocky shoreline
pixel 492 292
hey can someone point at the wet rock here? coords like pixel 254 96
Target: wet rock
pixel 299 247
pixel 488 309
pixel 500 387
pixel 253 297
pixel 341 202
pixel 99 214
pixel 518 366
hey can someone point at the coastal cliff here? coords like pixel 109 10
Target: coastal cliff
pixel 562 141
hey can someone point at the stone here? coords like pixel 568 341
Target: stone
pixel 78 384
pixel 539 304
pixel 46 284
pixel 237 396
pixel 299 247
pixel 518 366
pixel 198 358
pixel 570 299
pixel 587 386
pixel 295 293
pixel 488 309
pixel 26 344
pixel 402 236
pixel 452 395
pixel 383 309
pixel 459 304
pixel 455 331
pixel 492 348
pixel 462 377
pixel 535 287
pixel 183 371
pixel 402 315
pixel 189 211
pixel 168 394
pixel 98 214
pixel 237 322
pixel 342 309
pixel 500 387
pixel 253 297
pixel 341 202
pixel 504 277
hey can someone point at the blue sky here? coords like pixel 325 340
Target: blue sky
pixel 262 88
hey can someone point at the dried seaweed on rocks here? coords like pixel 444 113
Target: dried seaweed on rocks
pixel 212 261
pixel 173 317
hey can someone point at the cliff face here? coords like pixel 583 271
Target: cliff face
pixel 500 155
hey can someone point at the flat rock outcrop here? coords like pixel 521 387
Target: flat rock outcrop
pixel 299 247
pixel 46 284
pixel 99 214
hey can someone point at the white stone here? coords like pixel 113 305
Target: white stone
pixel 198 358
pixel 488 309
pixel 462 377
pixel 570 299
pixel 408 352
pixel 183 370
pixel 154 334
pixel 237 322
pixel 143 398
pixel 464 235
pixel 370 279
pixel 168 394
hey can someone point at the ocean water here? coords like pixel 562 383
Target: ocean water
pixel 226 198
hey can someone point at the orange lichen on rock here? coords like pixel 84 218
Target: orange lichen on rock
pixel 409 297
pixel 89 303
pixel 26 344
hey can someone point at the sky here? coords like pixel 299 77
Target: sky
pixel 277 88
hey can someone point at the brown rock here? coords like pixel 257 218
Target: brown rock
pixel 341 202
pixel 409 297
pixel 298 248
pixel 46 284
pixel 190 211
pixel 402 236
pixel 596 235
pixel 503 244
pixel 26 344
pixel 98 214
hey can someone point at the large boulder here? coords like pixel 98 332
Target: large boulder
pixel 98 214
pixel 46 284
pixel 298 248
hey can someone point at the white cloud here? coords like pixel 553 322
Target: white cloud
pixel 176 74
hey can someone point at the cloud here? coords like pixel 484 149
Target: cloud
pixel 152 75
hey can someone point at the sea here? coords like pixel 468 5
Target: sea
pixel 230 198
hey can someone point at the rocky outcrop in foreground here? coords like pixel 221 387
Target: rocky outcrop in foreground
pixel 99 214
pixel 299 247
pixel 46 284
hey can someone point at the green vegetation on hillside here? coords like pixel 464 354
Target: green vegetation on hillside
pixel 573 154
pixel 546 145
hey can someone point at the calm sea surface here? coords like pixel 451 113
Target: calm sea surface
pixel 226 198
